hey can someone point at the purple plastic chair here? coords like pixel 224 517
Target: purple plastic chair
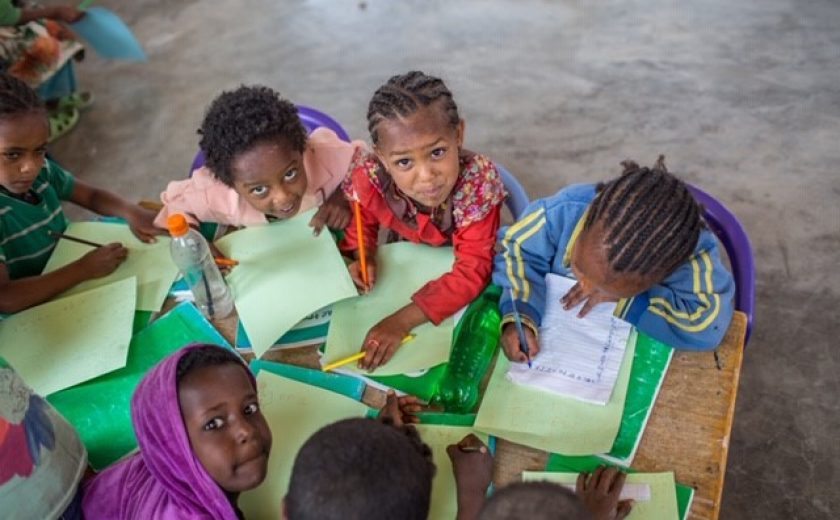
pixel 517 199
pixel 311 120
pixel 737 244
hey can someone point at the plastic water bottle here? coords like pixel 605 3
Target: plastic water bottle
pixel 476 339
pixel 192 255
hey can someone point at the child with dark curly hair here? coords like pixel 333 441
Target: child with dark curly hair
pixel 262 166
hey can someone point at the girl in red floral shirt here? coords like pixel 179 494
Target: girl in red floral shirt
pixel 421 185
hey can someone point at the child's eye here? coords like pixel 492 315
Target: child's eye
pixel 402 163
pixel 290 175
pixel 259 191
pixel 252 408
pixel 12 156
pixel 437 153
pixel 214 424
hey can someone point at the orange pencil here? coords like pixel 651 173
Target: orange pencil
pixel 357 209
pixel 226 262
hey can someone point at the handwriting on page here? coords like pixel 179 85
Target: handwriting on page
pixel 579 357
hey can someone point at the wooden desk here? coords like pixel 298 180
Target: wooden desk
pixel 688 432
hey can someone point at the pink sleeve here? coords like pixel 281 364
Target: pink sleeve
pixel 332 157
pixel 201 198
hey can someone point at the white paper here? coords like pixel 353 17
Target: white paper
pixel 579 357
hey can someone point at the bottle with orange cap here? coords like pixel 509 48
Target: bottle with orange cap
pixel 192 255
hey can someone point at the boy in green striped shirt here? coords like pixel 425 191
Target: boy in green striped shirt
pixel 31 190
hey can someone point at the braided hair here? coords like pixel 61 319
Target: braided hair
pixel 404 95
pixel 650 219
pixel 16 97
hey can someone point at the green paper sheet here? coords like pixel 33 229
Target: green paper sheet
pixel 444 497
pixel 284 274
pixel 663 499
pixel 100 409
pixel 294 412
pixel 401 269
pixel 150 263
pixel 548 421
pixel 73 339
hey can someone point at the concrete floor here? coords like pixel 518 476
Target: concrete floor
pixel 743 99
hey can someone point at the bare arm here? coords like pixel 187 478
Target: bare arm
pixel 105 202
pixel 63 13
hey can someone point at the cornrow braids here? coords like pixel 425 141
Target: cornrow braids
pixel 16 97
pixel 650 219
pixel 405 94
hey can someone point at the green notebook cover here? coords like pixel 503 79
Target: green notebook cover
pixel 562 463
pixel 99 409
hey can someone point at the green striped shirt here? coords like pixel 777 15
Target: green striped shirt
pixel 25 243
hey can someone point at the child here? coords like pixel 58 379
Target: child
pixel 42 459
pixel 202 438
pixel 597 499
pixel 261 166
pixel 36 47
pixel 379 470
pixel 424 187
pixel 638 240
pixel 31 191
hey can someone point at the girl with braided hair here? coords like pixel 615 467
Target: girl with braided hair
pixel 638 240
pixel 421 185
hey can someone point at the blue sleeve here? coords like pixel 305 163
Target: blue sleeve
pixel 527 251
pixel 691 309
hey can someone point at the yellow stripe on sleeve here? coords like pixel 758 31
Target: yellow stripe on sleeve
pixel 515 228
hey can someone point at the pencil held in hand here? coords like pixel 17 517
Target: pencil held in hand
pixel 357 211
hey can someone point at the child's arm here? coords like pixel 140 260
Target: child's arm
pixel 472 464
pixel 20 294
pixel 104 202
pixel 62 13
pixel 692 308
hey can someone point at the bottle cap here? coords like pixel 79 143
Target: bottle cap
pixel 177 225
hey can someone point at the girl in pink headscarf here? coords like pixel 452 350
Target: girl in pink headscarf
pixel 202 438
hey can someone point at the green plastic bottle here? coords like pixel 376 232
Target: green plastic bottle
pixel 475 342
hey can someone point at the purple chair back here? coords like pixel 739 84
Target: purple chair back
pixel 517 199
pixel 737 244
pixel 311 120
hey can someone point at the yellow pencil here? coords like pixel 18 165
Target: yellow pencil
pixel 360 355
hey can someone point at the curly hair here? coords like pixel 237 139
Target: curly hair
pixel 651 220
pixel 405 94
pixel 341 470
pixel 16 97
pixel 237 120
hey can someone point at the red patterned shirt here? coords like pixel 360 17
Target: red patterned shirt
pixel 468 220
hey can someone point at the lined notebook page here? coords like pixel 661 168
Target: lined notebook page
pixel 579 357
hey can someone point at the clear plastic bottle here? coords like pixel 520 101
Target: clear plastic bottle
pixel 476 340
pixel 192 255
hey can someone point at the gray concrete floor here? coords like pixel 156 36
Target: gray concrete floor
pixel 742 97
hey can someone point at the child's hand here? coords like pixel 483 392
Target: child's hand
pixel 67 13
pixel 334 213
pixel 382 341
pixel 142 223
pixel 510 343
pixel 400 411
pixel 590 298
pixel 600 492
pixel 472 464
pixel 104 260
pixel 356 274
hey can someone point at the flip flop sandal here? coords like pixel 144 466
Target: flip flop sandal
pixel 61 122
pixel 79 100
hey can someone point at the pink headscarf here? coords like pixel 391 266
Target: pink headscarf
pixel 164 480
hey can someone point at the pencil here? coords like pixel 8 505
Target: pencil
pixel 360 355
pixel 357 210
pixel 226 262
pixel 523 341
pixel 74 239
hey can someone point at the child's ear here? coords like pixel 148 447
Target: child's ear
pixel 379 155
pixel 460 133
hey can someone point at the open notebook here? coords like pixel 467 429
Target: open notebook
pixel 579 357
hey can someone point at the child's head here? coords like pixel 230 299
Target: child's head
pixel 253 141
pixel 639 228
pixel 534 501
pixel 361 468
pixel 226 429
pixel 417 135
pixel 24 130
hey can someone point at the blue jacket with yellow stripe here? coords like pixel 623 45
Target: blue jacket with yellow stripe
pixel 690 309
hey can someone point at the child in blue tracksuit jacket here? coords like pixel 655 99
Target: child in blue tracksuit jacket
pixel 638 240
